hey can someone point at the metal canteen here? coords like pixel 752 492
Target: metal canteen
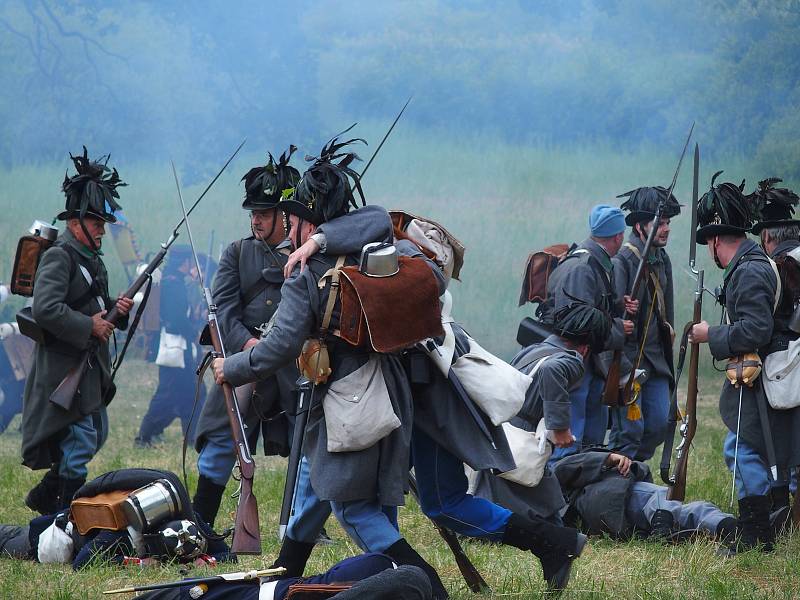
pixel 152 504
pixel 379 259
pixel 43 230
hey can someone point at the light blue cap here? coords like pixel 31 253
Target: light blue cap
pixel 606 221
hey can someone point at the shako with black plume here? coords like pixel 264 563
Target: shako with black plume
pixel 92 190
pixel 641 204
pixel 777 205
pixel 325 190
pixel 725 210
pixel 265 185
pixel 582 322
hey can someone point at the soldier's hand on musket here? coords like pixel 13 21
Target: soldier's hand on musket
pixel 620 462
pixel 631 305
pixel 124 305
pixel 627 327
pixel 699 333
pixel 301 255
pixel 249 343
pixel 562 438
pixel 101 329
pixel 218 366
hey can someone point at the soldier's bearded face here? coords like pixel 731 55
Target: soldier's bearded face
pixel 96 228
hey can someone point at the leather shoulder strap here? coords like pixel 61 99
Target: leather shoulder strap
pixel 334 275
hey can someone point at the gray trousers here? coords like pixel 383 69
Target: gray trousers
pixel 646 498
pixel 14 542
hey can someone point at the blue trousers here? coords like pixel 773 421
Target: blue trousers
pixel 639 439
pixel 372 526
pixel 752 473
pixel 442 487
pixel 173 399
pixel 646 498
pixel 588 415
pixel 83 440
pixel 217 457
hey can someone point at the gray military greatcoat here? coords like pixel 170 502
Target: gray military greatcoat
pixel 63 305
pixel 547 398
pixel 657 357
pixel 380 471
pixel 749 295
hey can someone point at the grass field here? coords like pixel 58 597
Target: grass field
pixel 608 570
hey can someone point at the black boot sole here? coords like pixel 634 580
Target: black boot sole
pixel 559 580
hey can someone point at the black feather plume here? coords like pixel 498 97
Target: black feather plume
pixel 776 204
pixel 646 200
pixel 93 189
pixel 579 320
pixel 265 185
pixel 725 204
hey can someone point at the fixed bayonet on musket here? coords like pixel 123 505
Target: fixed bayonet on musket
pixel 688 418
pixel 246 532
pixel 66 390
pixel 611 392
pixel 378 149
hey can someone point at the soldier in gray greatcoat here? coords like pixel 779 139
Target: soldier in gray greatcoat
pixel 587 274
pixel 637 431
pixel 70 299
pixel 247 290
pixel 749 297
pixel 780 235
pixel 363 487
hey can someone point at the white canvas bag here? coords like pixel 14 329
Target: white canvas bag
pixel 358 410
pixel 531 451
pixel 781 377
pixel 170 350
pixel 494 385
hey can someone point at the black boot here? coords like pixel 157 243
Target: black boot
pixel 66 491
pixel 43 497
pixel 779 521
pixel 293 557
pixel 403 554
pixel 754 522
pixel 207 499
pixel 727 534
pixel 662 525
pixel 555 547
pixel 779 496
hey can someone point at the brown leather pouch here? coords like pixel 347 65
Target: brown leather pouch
pixel 103 511
pixel 29 252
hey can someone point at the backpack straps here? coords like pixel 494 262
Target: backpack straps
pixel 334 274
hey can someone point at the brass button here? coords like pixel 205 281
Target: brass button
pixel 269 302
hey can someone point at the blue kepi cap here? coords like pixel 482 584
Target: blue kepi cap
pixel 606 221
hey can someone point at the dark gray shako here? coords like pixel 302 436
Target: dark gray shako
pixel 642 204
pixel 582 323
pixel 777 205
pixel 91 191
pixel 725 209
pixel 325 190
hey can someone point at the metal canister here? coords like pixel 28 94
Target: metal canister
pixel 152 504
pixel 44 230
pixel 379 259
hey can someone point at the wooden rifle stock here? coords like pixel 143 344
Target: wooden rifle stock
pixel 676 490
pixel 246 532
pixel 476 583
pixel 66 390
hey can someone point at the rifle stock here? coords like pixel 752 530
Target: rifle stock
pixel 676 489
pixel 246 532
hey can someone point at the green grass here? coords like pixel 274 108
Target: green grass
pixel 637 569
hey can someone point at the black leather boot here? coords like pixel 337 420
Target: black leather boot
pixel 43 497
pixel 403 554
pixel 755 525
pixel 207 499
pixel 66 491
pixel 555 547
pixel 779 496
pixel 293 557
pixel 661 525
pixel 727 534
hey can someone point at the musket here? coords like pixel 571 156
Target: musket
pixel 305 399
pixel 611 395
pixel 246 531
pixel 472 577
pixel 242 576
pixel 676 483
pixel 66 390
